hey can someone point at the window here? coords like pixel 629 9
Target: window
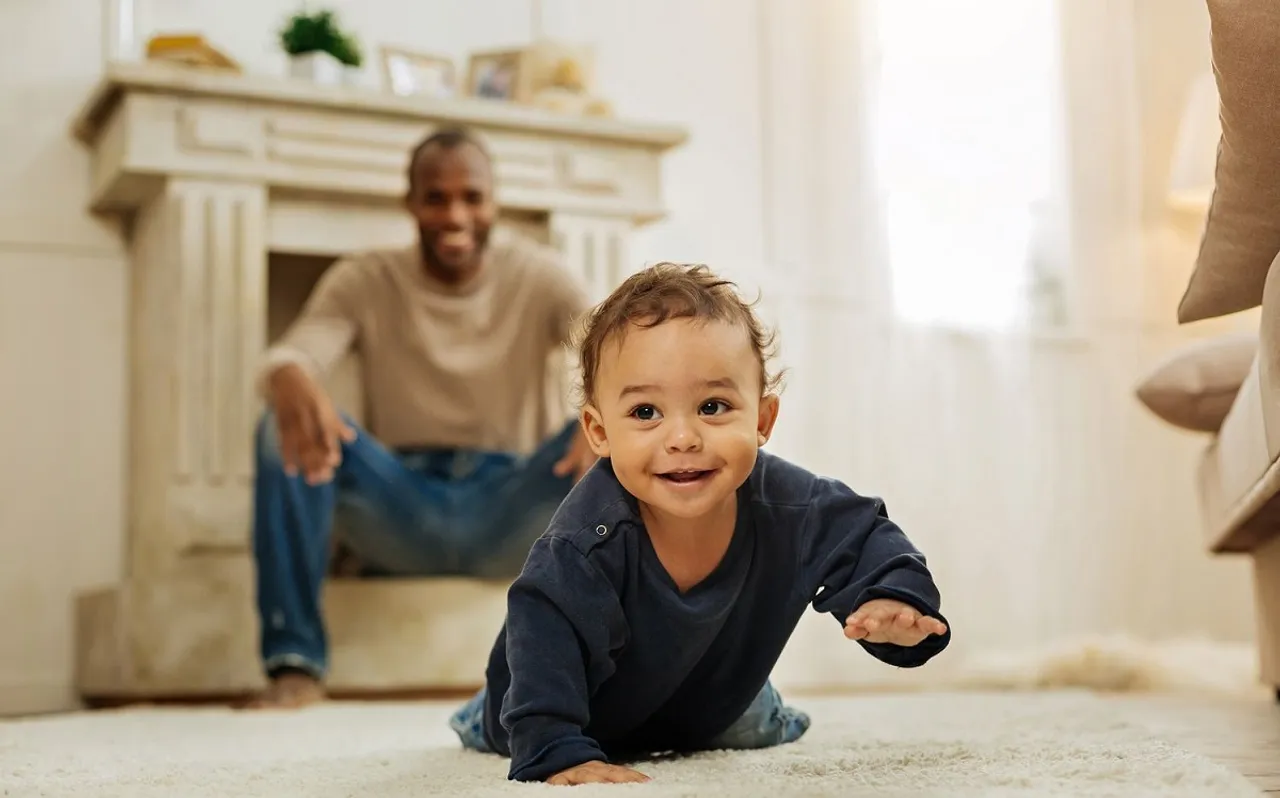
pixel 965 129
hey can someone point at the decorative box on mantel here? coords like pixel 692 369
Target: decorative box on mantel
pixel 237 192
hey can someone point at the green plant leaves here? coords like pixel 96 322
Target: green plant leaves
pixel 319 32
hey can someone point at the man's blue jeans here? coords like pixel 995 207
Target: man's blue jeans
pixel 412 513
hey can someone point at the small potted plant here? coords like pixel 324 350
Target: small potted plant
pixel 319 50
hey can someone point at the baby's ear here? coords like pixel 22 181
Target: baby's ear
pixel 593 428
pixel 768 417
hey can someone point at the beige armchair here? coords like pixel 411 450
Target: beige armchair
pixel 1230 386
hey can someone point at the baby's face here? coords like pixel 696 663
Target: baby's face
pixel 678 409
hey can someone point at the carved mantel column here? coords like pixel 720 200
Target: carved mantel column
pixel 595 246
pixel 199 324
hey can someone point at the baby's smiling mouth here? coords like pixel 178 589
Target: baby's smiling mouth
pixel 686 476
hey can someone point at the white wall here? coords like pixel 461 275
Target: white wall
pixel 62 319
pixel 62 274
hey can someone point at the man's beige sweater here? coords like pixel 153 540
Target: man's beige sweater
pixel 477 366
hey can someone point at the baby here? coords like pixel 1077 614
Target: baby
pixel 650 614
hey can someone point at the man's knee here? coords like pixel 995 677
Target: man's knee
pixel 266 439
pixel 266 442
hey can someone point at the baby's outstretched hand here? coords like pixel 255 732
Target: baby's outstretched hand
pixel 889 621
pixel 597 773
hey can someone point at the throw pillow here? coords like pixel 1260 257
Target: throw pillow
pixel 1195 387
pixel 1241 236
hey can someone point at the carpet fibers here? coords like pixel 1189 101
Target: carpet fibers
pixel 953 744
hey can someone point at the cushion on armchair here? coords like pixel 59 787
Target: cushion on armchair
pixel 1195 387
pixel 1241 236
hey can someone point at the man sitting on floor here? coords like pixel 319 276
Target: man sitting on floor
pixel 465 459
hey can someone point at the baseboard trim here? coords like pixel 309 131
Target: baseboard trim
pixel 17 700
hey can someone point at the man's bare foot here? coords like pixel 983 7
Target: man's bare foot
pixel 289 690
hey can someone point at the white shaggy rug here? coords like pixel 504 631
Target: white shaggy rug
pixel 1120 663
pixel 954 744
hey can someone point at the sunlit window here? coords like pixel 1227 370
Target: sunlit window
pixel 967 150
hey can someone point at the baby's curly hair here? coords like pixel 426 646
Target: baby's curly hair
pixel 662 292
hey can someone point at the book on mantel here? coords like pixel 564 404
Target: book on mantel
pixel 189 50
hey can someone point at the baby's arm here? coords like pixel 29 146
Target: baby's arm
pixel 563 620
pixel 853 554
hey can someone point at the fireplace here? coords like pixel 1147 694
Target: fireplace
pixel 237 192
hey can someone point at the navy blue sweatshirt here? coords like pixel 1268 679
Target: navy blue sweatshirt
pixel 602 656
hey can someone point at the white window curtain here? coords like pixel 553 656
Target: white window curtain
pixel 955 208
pixel 966 131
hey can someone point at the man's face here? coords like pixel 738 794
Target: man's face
pixel 451 197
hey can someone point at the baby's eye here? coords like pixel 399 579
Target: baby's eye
pixel 713 407
pixel 645 412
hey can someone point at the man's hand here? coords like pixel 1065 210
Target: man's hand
pixel 578 459
pixel 597 773
pixel 310 429
pixel 889 621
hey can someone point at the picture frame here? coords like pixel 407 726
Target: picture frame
pixel 501 75
pixel 552 75
pixel 407 73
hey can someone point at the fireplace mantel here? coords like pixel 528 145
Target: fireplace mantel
pixel 146 122
pixel 123 78
pixel 214 172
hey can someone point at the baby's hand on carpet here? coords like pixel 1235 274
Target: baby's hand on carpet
pixel 597 773
pixel 889 621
